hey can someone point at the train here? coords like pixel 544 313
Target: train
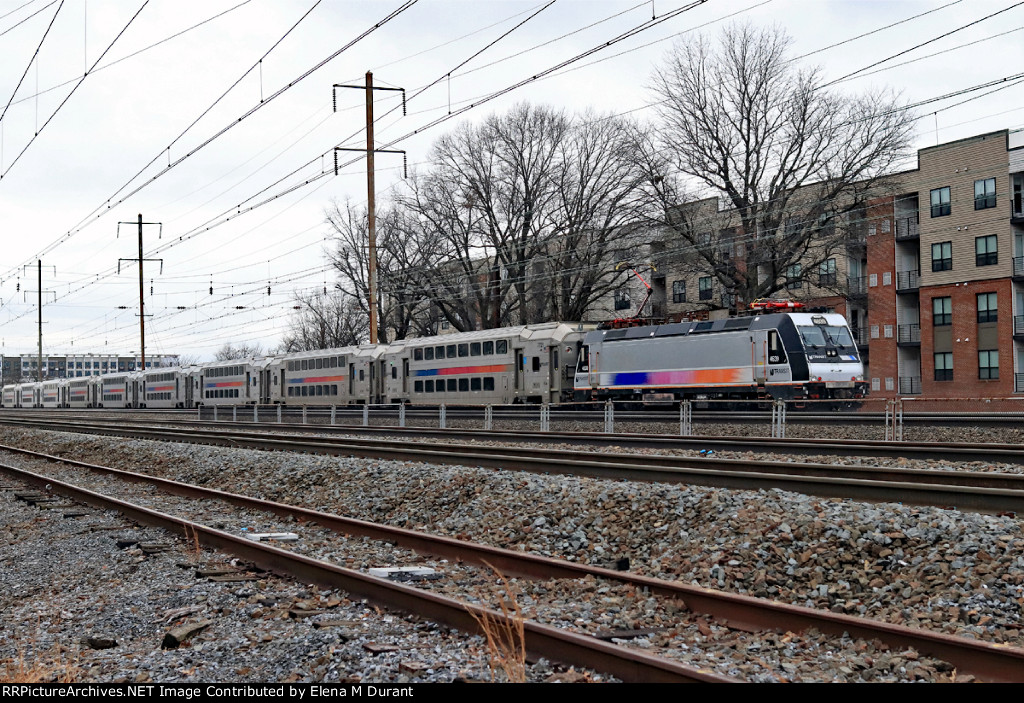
pixel 766 356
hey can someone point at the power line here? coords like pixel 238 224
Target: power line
pixel 77 85
pixel 32 60
pixel 924 43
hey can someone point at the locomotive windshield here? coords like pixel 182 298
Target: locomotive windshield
pixel 823 335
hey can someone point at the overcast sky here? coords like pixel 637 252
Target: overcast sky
pixel 70 164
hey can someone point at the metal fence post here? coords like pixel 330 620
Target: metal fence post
pixel 215 413
pixel 234 413
pixel 256 413
pixel 489 417
pixel 303 414
pixel 685 418
pixel 401 414
pixel 898 419
pixel 545 417
pixel 609 417
pixel 334 413
pixel 441 417
pixel 279 413
pixel 779 419
pixel 366 415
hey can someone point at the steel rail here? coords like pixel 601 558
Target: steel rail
pixel 935 451
pixel 990 661
pixel 539 640
pixel 983 491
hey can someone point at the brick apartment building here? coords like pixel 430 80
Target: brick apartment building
pixel 945 268
pixel 931 277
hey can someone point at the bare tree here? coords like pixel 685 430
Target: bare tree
pixel 230 352
pixel 528 214
pixel 793 160
pixel 326 321
pixel 401 261
pixel 593 228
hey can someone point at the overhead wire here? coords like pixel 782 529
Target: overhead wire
pixel 35 56
pixel 941 97
pixel 73 90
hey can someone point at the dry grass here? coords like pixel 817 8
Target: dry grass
pixel 53 667
pixel 505 634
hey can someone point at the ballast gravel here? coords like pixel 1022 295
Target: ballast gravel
pixel 955 572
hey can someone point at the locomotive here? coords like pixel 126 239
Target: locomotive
pixel 771 355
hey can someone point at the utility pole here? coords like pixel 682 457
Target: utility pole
pixel 142 299
pixel 39 269
pixel 370 190
pixel 40 291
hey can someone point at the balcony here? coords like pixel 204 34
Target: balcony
pixel 1018 325
pixel 858 287
pixel 907 228
pixel 1018 383
pixel 1018 267
pixel 909 334
pixel 908 281
pixel 860 336
pixel 910 385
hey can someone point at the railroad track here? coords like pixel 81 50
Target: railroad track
pixel 530 412
pixel 737 613
pixel 971 490
pixel 997 453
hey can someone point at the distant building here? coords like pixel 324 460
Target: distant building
pixel 25 367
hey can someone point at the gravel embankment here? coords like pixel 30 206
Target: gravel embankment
pixel 956 572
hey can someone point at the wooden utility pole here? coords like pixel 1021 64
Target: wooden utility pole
pixel 371 208
pixel 39 269
pixel 40 291
pixel 370 192
pixel 142 299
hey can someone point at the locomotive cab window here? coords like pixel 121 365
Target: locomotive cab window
pixel 776 352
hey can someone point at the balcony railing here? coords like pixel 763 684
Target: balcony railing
pixel 858 285
pixel 1018 324
pixel 860 335
pixel 1018 266
pixel 908 280
pixel 910 385
pixel 907 334
pixel 1018 383
pixel 907 228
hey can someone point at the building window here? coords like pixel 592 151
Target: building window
pixel 621 300
pixel 988 364
pixel 988 311
pixel 793 281
pixel 984 193
pixel 704 288
pixel 944 366
pixel 827 273
pixel 986 250
pixel 940 202
pixel 942 312
pixel 942 256
pixel 678 291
